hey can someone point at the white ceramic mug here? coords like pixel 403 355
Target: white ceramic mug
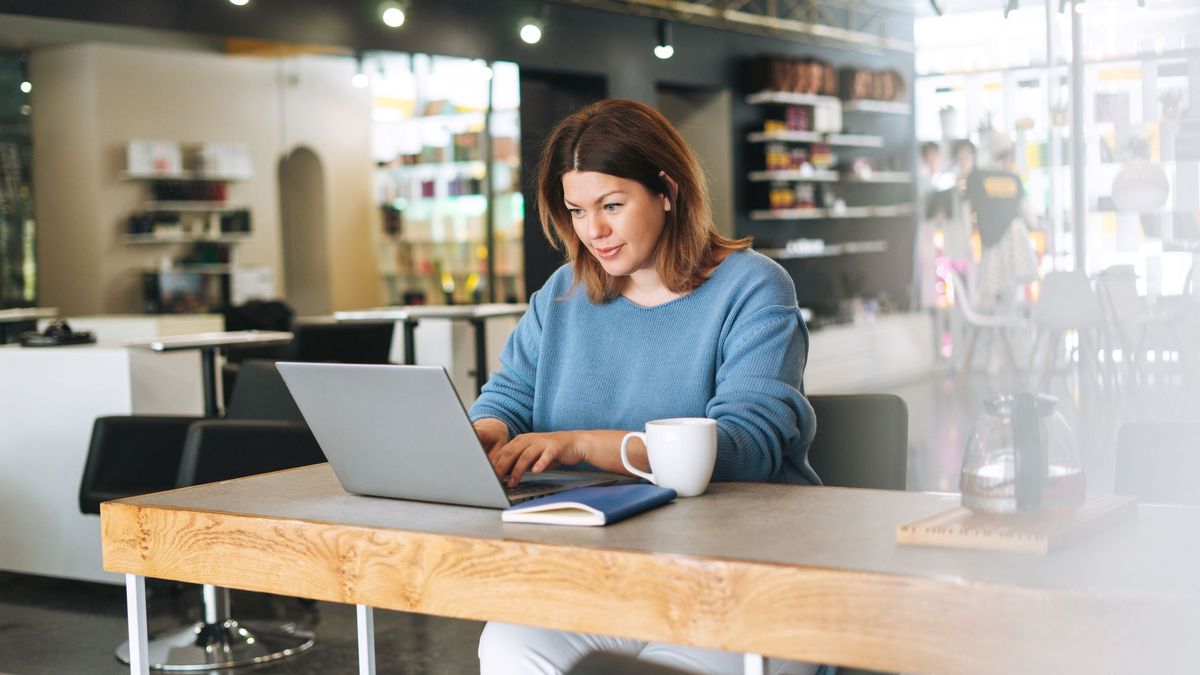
pixel 682 451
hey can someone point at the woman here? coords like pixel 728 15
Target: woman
pixel 656 315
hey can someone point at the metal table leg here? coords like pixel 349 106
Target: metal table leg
pixel 481 372
pixel 366 639
pixel 135 602
pixel 754 664
pixel 208 366
pixel 410 342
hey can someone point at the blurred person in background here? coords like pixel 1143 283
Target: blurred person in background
pixel 996 205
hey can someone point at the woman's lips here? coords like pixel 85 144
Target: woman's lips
pixel 608 253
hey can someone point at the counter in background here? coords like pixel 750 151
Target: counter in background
pixel 863 357
pixel 49 398
pixel 116 329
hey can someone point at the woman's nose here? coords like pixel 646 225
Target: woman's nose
pixel 597 228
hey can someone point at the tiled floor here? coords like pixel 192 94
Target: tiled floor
pixel 55 627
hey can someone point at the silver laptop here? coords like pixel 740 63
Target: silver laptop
pixel 401 432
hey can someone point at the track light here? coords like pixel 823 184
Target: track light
pixel 239 3
pixel 1009 6
pixel 26 85
pixel 393 14
pixel 1080 6
pixel 664 49
pixel 531 30
pixel 360 79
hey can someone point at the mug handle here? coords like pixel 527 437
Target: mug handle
pixel 625 456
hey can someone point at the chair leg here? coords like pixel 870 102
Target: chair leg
pixel 1052 346
pixel 220 641
pixel 969 351
pixel 1008 351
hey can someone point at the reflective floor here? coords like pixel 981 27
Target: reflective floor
pixel 56 627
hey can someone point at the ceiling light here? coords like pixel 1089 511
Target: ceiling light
pixel 531 31
pixel 1080 6
pixel 1009 6
pixel 239 3
pixel 26 87
pixel 392 14
pixel 664 49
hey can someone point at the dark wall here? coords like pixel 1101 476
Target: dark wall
pixel 587 44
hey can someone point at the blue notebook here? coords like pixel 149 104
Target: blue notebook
pixel 589 505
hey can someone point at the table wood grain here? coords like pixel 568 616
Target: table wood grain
pixel 797 572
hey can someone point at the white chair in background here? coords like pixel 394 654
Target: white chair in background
pixel 977 323
pixel 1066 303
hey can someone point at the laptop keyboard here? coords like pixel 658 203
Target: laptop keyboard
pixel 526 487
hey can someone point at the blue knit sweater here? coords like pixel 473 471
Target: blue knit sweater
pixel 732 350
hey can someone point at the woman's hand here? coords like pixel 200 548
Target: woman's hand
pixel 492 433
pixel 536 452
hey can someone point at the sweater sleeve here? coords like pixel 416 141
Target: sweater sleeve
pixel 761 412
pixel 508 394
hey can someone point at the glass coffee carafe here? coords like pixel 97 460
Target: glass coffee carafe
pixel 1022 457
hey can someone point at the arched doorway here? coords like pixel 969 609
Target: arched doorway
pixel 304 229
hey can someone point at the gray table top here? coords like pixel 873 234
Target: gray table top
pixel 27 314
pixel 1157 554
pixel 433 312
pixel 242 338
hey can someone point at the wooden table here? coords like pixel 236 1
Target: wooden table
pixel 804 573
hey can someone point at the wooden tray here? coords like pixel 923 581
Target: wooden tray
pixel 1021 532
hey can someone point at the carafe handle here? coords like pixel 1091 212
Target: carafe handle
pixel 1032 462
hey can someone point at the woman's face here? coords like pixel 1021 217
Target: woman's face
pixel 618 219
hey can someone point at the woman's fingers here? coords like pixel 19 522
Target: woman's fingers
pixel 526 459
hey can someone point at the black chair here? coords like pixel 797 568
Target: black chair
pixel 861 441
pixel 342 342
pixel 253 315
pixel 129 455
pixel 1159 461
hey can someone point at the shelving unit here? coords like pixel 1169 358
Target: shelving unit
pixel 814 176
pixel 192 207
pixel 189 208
pixel 187 176
pixel 790 98
pixel 879 177
pixel 447 182
pixel 161 239
pixel 885 107
pixel 829 250
pixel 837 140
pixel 850 212
pixel 839 211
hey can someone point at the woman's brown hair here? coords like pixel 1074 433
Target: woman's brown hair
pixel 631 140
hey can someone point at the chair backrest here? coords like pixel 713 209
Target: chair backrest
pixel 1067 301
pixel 962 297
pixel 342 342
pixel 861 441
pixel 259 393
pixel 1159 461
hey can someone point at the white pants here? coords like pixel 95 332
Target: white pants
pixel 508 649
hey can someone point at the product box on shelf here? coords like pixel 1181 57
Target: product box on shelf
pixel 153 158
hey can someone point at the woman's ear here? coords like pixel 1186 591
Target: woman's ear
pixel 672 187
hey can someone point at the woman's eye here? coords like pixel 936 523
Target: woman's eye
pixel 575 213
pixel 612 208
